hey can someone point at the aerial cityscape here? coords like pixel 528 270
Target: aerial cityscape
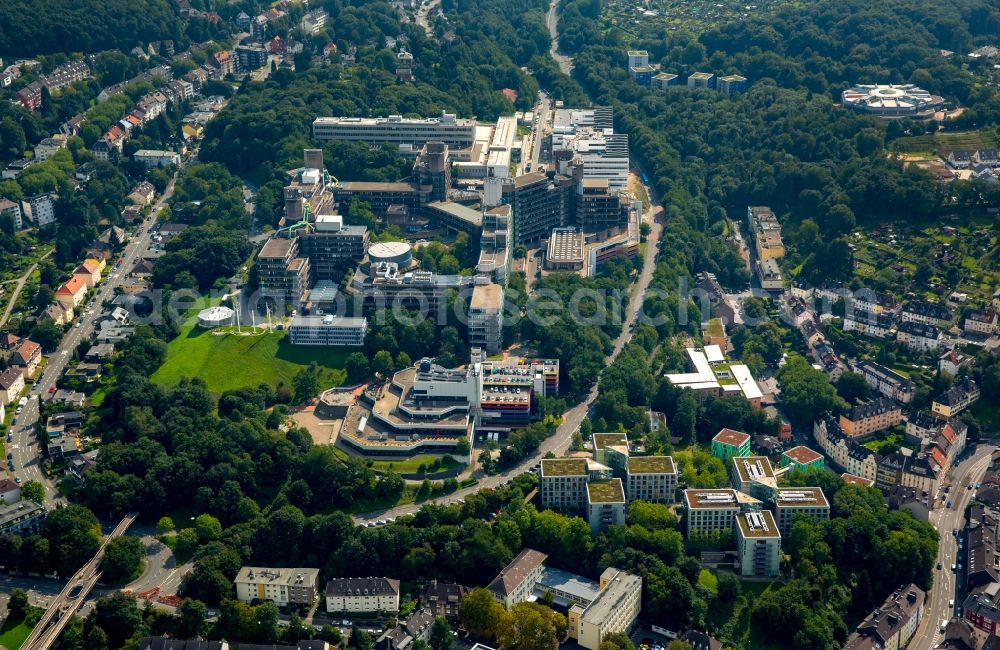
pixel 437 325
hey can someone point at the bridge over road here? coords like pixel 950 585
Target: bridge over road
pixel 51 625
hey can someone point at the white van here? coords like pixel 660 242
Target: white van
pixel 944 624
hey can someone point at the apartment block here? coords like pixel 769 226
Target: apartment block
pixel 805 501
pixel 753 475
pixel 928 313
pixel 963 394
pixel 801 457
pixel 603 443
pixel 729 443
pixel 765 231
pixel 758 543
pixel 892 625
pixel 887 382
pixel 869 323
pixel 562 484
pixel 919 337
pixel 293 586
pixel 710 510
pixel 701 80
pixel 651 478
pixel 362 595
pixel 731 84
pixel 870 417
pixel 605 504
pixel 615 609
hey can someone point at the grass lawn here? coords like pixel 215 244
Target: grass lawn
pixel 230 361
pixel 406 465
pixel 944 143
pixel 708 580
pixel 13 633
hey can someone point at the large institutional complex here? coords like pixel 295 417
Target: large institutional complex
pixel 892 101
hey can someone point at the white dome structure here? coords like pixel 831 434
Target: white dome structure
pixel 891 100
pixel 217 316
pixel 393 252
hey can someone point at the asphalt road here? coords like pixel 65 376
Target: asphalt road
pixel 559 441
pixel 552 20
pixel 24 446
pixel 937 608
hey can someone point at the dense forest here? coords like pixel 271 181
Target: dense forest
pixel 31 27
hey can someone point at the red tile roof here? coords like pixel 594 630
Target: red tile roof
pixel 71 287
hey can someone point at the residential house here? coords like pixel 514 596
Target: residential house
pixel 16 168
pixel 90 272
pixel 874 302
pixel 11 385
pixel 69 398
pixel 963 394
pixel 156 158
pixel 952 361
pixel 887 382
pixel 892 625
pixel 71 293
pixel 47 147
pixel 917 470
pixel 22 518
pixel 870 417
pixel 142 194
pixel 63 447
pixel 163 643
pixel 26 358
pixel 9 341
pixel 516 582
pixel 843 451
pixel 929 313
pixel 66 74
pixel 286 586
pixel 10 491
pixel 919 337
pixel 442 598
pixel 959 159
pixel 869 323
pixel 917 502
pixel 416 627
pixel 100 352
pixel 362 595
pixel 30 96
pixel 699 640
pixel 981 322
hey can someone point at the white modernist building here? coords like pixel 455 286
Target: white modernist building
pixel 892 101
pixel 328 330
pixel 614 610
pixel 758 543
pixel 409 134
pixel 216 316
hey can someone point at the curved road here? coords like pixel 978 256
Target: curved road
pixel 552 21
pixel 559 441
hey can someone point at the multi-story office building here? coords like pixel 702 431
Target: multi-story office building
pixel 805 501
pixel 292 586
pixel 516 582
pixel 754 476
pixel 728 443
pixel 328 330
pixel 283 274
pixel 408 134
pixel 710 510
pixel 651 478
pixel 598 207
pixel 331 246
pixel 381 196
pixel 887 382
pixel 605 504
pixel 539 204
pixel 604 154
pixel 875 415
pixel 432 169
pixel 485 319
pixel 614 610
pixel 362 595
pixel 758 543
